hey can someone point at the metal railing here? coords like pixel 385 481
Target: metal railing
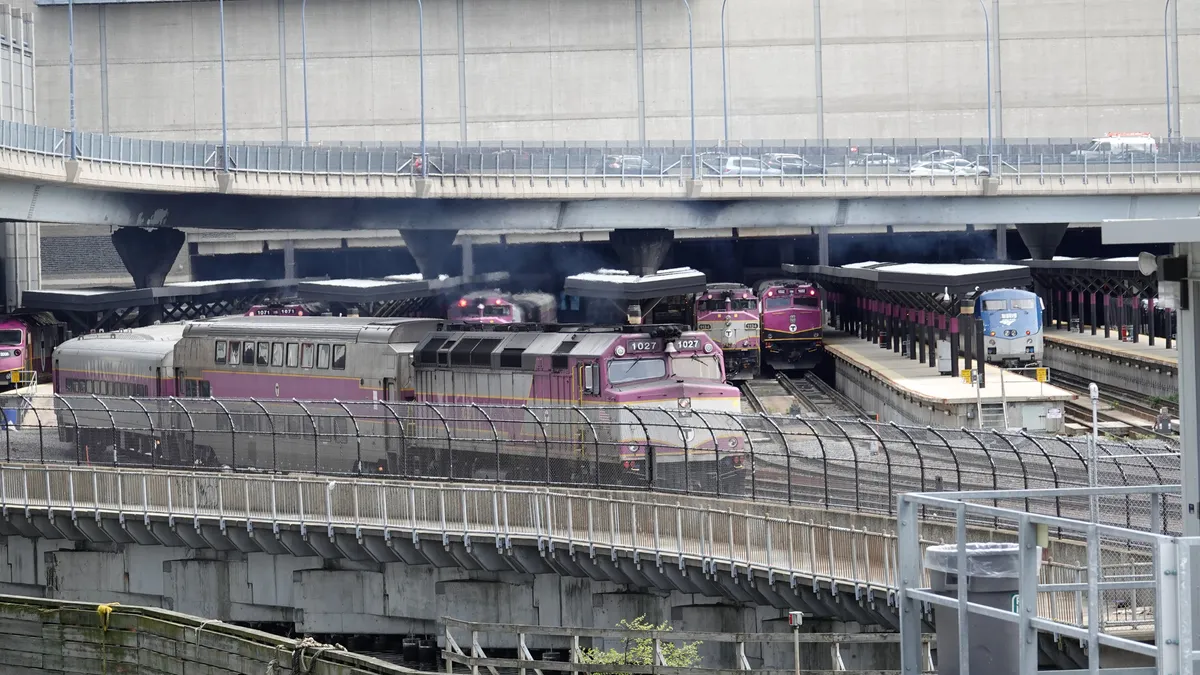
pixel 1019 158
pixel 842 464
pixel 784 544
pixel 1140 573
pixel 576 640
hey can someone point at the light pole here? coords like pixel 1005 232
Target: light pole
pixel 724 76
pixel 224 108
pixel 304 62
pixel 1094 450
pixel 421 67
pixel 71 70
pixel 987 43
pixel 1167 61
pixel 691 85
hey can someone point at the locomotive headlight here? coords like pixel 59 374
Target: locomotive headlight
pixel 685 402
pixel 633 447
pixel 620 350
pixel 1029 341
pixel 708 348
pixel 992 342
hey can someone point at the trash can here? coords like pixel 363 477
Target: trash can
pixel 992 571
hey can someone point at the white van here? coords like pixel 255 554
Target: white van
pixel 1120 145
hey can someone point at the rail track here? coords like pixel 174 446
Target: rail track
pixel 811 395
pixel 1080 412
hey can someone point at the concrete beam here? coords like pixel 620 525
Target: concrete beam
pixel 148 254
pixel 1042 240
pixel 641 251
pixel 56 203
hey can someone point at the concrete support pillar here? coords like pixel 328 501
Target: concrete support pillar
pixel 641 251
pixel 148 254
pixel 1042 240
pixel 429 249
pixel 823 245
pixel 468 258
pixel 1002 242
pixel 289 259
pixel 21 252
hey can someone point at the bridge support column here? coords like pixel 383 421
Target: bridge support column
pixel 468 258
pixel 21 253
pixel 148 254
pixel 429 248
pixel 1042 240
pixel 1002 242
pixel 289 259
pixel 642 251
pixel 823 245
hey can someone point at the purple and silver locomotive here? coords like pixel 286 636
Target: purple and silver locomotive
pixel 792 318
pixel 729 314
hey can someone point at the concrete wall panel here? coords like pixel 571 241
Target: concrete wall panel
pixel 564 70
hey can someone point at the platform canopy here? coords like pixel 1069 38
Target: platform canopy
pixel 915 279
pixel 620 285
pixel 87 309
pixel 394 288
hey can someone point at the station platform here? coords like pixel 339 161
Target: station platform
pixel 1132 366
pixel 905 391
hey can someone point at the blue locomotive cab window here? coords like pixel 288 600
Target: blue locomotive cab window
pixel 220 354
pixel 235 353
pixel 995 305
pixel 1024 303
pixel 323 356
pixel 631 370
pixel 339 357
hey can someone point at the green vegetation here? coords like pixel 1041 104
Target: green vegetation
pixel 640 651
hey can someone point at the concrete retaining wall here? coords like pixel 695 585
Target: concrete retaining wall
pixel 54 637
pixel 1144 377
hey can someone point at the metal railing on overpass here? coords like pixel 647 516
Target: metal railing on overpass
pixel 785 546
pixel 832 464
pixel 871 159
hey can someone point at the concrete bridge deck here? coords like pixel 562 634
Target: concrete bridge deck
pixel 826 563
pixel 129 182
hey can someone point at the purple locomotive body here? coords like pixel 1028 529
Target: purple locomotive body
pixel 26 344
pixel 528 402
pixel 497 307
pixel 729 314
pixel 792 320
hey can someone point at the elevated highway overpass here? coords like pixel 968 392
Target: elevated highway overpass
pixel 1034 184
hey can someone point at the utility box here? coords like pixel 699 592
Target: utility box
pixel 992 580
pixel 943 358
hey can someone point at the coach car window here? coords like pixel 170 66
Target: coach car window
pixel 248 353
pixel 323 356
pixel 235 352
pixel 205 389
pixel 264 353
pixel 189 388
pixel 339 357
pixel 219 355
pixel 277 354
pixel 306 355
pixel 628 370
pixel 293 355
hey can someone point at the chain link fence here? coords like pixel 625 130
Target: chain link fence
pixel 831 464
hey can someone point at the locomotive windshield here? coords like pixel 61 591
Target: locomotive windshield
pixel 696 367
pixel 495 310
pixel 1025 303
pixel 786 302
pixel 10 337
pixel 995 305
pixel 630 370
pixel 719 305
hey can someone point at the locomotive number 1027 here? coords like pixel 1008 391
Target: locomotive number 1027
pixel 644 346
pixel 691 343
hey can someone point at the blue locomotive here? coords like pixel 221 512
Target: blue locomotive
pixel 1012 326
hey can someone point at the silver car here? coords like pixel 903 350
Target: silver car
pixel 747 166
